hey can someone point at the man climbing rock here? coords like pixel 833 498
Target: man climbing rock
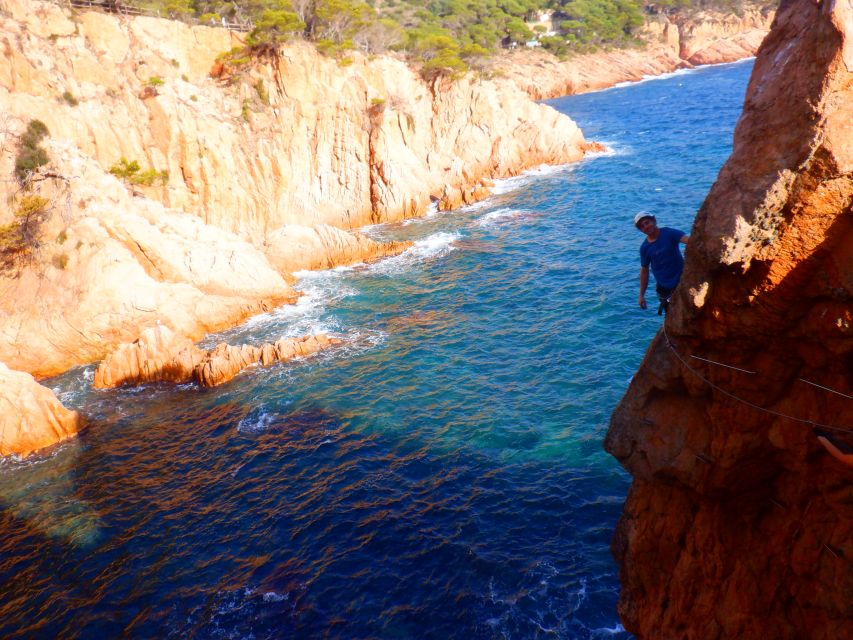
pixel 659 250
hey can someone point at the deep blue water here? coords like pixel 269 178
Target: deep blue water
pixel 439 476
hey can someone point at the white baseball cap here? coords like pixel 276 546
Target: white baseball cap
pixel 641 215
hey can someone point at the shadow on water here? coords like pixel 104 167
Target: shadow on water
pixel 439 475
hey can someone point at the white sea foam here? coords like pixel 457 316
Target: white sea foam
pixel 256 422
pixel 494 218
pixel 505 185
pixel 433 246
pixel 673 74
pixel 272 596
pixel 606 632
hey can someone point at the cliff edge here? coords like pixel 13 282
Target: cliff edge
pixel 153 177
pixel 739 523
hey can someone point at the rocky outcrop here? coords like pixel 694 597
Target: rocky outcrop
pixel 253 159
pixel 295 248
pixel 739 523
pixel 712 38
pixel 670 42
pixel 161 355
pixel 31 416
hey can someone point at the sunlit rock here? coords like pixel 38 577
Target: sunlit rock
pixel 31 416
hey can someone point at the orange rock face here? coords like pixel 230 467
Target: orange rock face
pixel 160 355
pixel 682 40
pixel 31 416
pixel 739 524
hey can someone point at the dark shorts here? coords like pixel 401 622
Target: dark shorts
pixel 663 292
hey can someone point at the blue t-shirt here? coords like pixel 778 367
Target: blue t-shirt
pixel 664 256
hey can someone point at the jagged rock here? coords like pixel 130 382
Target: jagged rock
pixel 296 248
pixel 31 416
pixel 739 523
pixel 162 355
pixel 225 361
pixel 302 142
pixel 158 354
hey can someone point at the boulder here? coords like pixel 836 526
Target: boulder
pixel 31 416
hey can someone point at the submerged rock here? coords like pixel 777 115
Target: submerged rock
pixel 739 523
pixel 31 416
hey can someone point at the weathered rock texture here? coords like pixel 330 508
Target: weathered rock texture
pixel 738 523
pixel 676 42
pixel 161 355
pixel 31 416
pixel 269 167
pixel 253 158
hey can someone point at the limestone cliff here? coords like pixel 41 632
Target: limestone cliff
pixel 670 42
pixel 739 524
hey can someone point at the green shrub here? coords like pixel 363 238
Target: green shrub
pixel 70 99
pixel 31 155
pixel 132 173
pixel 60 261
pixel 154 81
pixel 21 237
pixel 261 90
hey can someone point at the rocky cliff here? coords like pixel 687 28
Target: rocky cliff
pixel 298 140
pixel 673 42
pixel 184 191
pixel 739 524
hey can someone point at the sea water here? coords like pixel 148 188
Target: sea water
pixel 439 475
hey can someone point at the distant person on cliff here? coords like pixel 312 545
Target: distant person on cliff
pixel 659 250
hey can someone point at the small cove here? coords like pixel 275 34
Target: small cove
pixel 439 476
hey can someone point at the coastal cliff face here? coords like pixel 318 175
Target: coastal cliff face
pixel 285 154
pixel 739 524
pixel 254 172
pixel 676 42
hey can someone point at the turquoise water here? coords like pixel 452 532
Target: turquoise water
pixel 440 475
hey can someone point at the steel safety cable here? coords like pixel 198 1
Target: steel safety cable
pixel 778 414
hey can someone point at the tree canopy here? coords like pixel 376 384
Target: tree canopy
pixel 445 35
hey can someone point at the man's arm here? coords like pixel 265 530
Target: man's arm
pixel 684 239
pixel 644 283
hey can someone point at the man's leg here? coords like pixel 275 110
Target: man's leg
pixel 664 294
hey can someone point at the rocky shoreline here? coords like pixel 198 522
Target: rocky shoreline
pixel 267 171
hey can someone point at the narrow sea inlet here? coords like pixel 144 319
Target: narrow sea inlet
pixel 440 475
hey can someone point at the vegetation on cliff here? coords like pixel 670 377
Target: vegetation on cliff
pixel 445 36
pixel 21 236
